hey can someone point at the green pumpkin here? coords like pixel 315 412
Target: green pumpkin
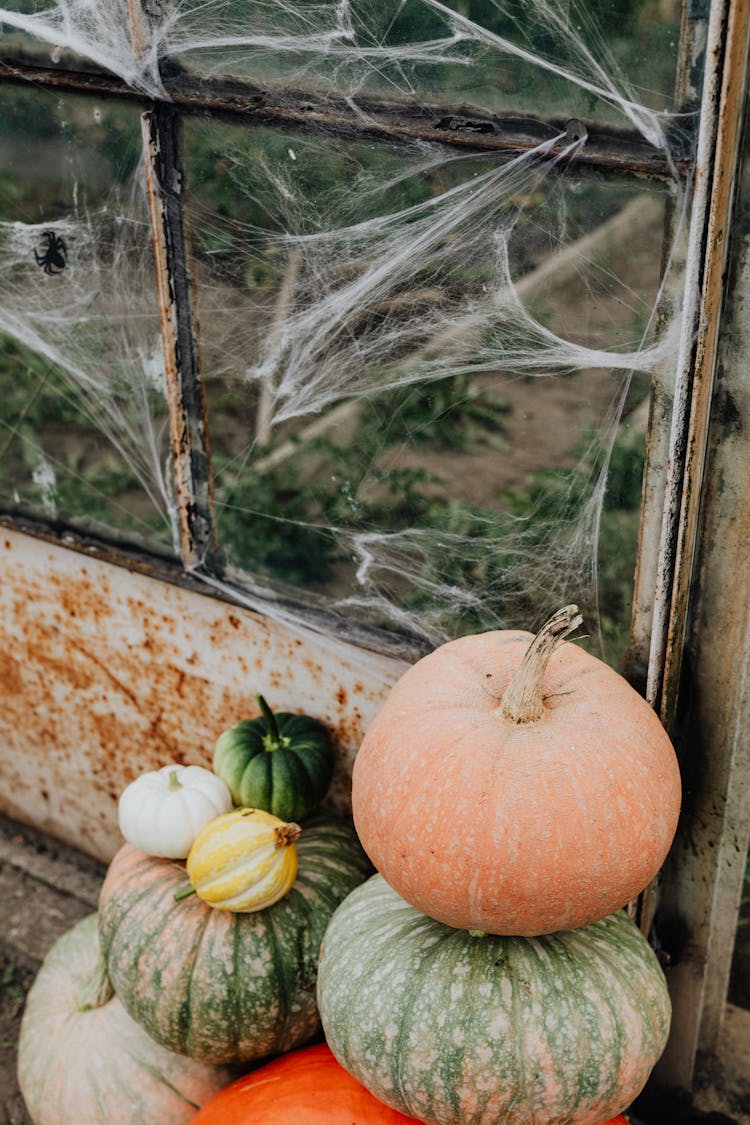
pixel 281 763
pixel 215 985
pixel 454 1027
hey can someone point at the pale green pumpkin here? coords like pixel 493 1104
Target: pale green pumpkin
pixel 83 1061
pixel 457 1029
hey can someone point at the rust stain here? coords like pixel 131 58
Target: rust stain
pixel 10 675
pixel 112 672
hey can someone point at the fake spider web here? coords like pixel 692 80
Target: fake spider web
pixel 378 320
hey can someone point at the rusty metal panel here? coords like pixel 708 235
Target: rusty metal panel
pixel 106 672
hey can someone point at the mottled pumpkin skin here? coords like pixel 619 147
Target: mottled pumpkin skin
pixel 98 1067
pixel 212 984
pixel 306 1087
pixel 518 830
pixel 462 1030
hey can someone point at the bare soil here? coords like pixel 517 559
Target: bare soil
pixel 14 984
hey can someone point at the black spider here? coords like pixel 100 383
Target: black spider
pixel 55 256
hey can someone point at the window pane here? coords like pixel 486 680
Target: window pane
pixel 417 365
pixel 82 406
pixel 548 57
pixel 67 34
pixel 604 60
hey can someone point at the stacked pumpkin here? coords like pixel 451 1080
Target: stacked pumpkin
pixel 514 796
pixel 192 968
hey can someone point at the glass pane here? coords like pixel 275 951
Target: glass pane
pixel 68 34
pixel 602 60
pixel 83 413
pixel 419 368
pixel 610 60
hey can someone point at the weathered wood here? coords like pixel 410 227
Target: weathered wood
pixel 186 394
pixel 467 128
pixel 702 882
pixel 710 221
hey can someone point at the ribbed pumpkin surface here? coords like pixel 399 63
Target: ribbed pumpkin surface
pixel 98 1067
pixel 215 985
pixel 463 1030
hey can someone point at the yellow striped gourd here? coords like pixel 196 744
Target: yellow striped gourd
pixel 244 860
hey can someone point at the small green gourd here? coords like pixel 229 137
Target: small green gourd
pixel 281 763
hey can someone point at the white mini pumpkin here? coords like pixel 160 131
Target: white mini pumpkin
pixel 162 811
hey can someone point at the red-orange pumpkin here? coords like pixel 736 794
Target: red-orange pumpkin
pixel 516 788
pixel 307 1087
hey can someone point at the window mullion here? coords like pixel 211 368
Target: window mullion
pixel 177 311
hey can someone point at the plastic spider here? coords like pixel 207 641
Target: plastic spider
pixel 55 256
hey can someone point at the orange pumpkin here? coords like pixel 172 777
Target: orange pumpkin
pixel 516 788
pixel 306 1086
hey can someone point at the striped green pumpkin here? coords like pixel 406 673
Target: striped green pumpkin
pixel 212 984
pixel 279 762
pixel 458 1029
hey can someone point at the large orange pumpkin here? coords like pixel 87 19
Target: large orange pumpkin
pixel 516 788
pixel 306 1086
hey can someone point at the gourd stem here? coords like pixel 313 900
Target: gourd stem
pixel 174 781
pixel 523 701
pixel 186 892
pixel 286 834
pixel 97 990
pixel 274 738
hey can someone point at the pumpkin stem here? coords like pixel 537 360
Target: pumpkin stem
pixel 97 990
pixel 273 740
pixel 286 834
pixel 174 781
pixel 523 701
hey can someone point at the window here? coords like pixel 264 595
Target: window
pixel 331 330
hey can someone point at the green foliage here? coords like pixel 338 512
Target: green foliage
pixel 293 522
pixel 44 420
pixel 283 523
pixel 451 413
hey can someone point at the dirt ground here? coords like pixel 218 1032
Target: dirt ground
pixel 14 984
